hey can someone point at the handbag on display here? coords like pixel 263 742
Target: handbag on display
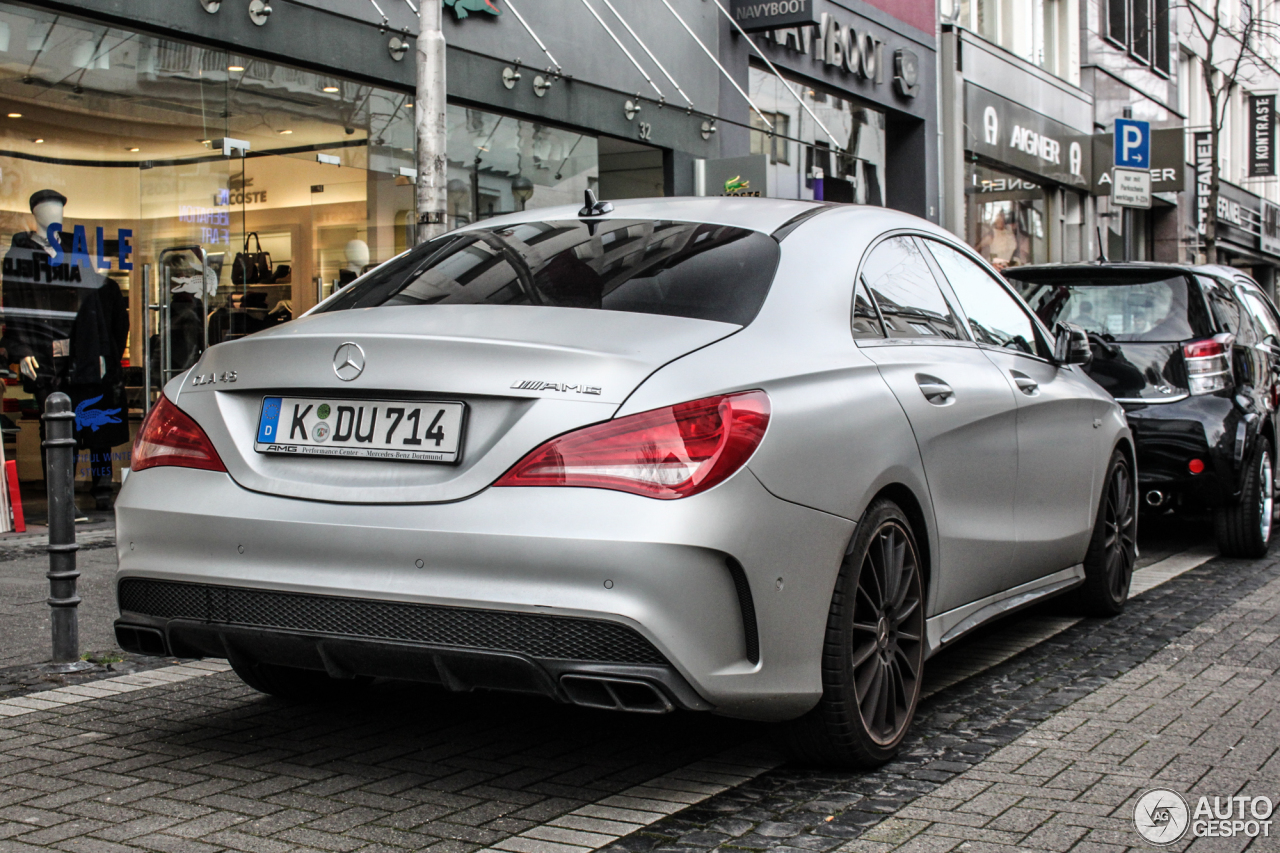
pixel 251 267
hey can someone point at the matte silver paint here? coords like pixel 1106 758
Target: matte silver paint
pixel 848 422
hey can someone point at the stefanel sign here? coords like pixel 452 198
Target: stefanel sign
pixel 1010 133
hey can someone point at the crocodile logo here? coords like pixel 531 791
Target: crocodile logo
pixel 94 418
pixel 463 8
pixel 736 184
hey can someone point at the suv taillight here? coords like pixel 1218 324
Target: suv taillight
pixel 666 453
pixel 1208 364
pixel 169 437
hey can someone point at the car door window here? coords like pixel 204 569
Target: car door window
pixel 995 318
pixel 899 279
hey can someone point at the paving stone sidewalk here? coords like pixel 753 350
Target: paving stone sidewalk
pixel 207 765
pixel 1048 750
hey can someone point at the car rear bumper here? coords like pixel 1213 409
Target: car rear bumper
pixel 716 602
pixel 1169 436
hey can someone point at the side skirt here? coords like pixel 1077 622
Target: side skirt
pixel 949 626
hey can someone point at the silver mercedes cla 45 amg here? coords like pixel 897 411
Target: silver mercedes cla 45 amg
pixel 755 457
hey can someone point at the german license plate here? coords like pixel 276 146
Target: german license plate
pixel 409 431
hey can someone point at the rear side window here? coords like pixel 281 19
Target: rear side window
pixel 899 279
pixel 1159 307
pixel 684 269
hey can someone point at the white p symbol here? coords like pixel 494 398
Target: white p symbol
pixel 1132 139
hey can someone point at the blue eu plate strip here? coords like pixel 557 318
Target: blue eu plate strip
pixel 268 427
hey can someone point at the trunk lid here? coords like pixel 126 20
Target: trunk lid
pixel 525 373
pixel 1147 371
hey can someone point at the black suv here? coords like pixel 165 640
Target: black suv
pixel 1193 355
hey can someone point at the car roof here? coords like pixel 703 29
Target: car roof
pixel 1097 268
pixel 758 214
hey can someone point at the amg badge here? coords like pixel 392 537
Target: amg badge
pixel 539 385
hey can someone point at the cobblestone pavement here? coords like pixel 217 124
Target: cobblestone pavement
pixel 1045 750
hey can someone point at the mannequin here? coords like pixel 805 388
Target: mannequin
pixel 357 252
pixel 46 207
pixel 65 327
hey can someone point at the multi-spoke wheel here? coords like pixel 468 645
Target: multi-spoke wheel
pixel 1108 566
pixel 874 651
pixel 1244 528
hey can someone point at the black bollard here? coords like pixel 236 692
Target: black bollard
pixel 60 460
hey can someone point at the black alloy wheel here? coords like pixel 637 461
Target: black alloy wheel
pixel 873 658
pixel 1113 550
pixel 1244 528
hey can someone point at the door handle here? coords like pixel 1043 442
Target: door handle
pixel 935 390
pixel 1025 383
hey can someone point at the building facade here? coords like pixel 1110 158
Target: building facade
pixel 219 170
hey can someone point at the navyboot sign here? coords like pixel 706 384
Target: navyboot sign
pixel 851 50
pixel 759 15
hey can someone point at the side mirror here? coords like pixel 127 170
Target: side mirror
pixel 1071 345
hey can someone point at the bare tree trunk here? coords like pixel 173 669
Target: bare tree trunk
pixel 431 124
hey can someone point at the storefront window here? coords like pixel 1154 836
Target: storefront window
pixel 803 162
pixel 1005 217
pixel 119 194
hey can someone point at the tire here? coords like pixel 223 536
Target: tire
pixel 1244 528
pixel 873 654
pixel 1108 564
pixel 297 685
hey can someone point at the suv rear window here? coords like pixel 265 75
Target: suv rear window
pixel 682 269
pixel 1159 307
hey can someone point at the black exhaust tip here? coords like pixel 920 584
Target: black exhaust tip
pixel 140 640
pixel 615 694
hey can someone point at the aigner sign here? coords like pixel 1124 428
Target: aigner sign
pixel 1010 133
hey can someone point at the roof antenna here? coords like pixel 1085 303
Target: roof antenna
pixel 591 207
pixel 1102 252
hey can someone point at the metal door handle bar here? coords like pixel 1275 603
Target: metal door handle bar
pixel 1025 383
pixel 934 389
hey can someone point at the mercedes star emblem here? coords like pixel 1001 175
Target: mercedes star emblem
pixel 348 361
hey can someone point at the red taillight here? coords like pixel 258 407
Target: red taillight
pixel 1203 349
pixel 1208 364
pixel 1196 466
pixel 169 437
pixel 667 453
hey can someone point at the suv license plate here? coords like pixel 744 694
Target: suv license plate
pixel 398 430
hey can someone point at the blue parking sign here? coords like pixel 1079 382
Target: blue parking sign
pixel 1133 144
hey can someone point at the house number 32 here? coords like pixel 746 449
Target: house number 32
pixel 646 130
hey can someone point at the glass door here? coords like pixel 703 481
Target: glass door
pixel 191 229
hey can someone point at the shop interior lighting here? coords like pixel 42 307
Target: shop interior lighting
pixel 134 150
pixel 331 89
pixel 37 141
pixel 15 115
pixel 284 132
pixel 235 67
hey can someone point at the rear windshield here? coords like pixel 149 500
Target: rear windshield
pixel 680 269
pixel 1143 309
